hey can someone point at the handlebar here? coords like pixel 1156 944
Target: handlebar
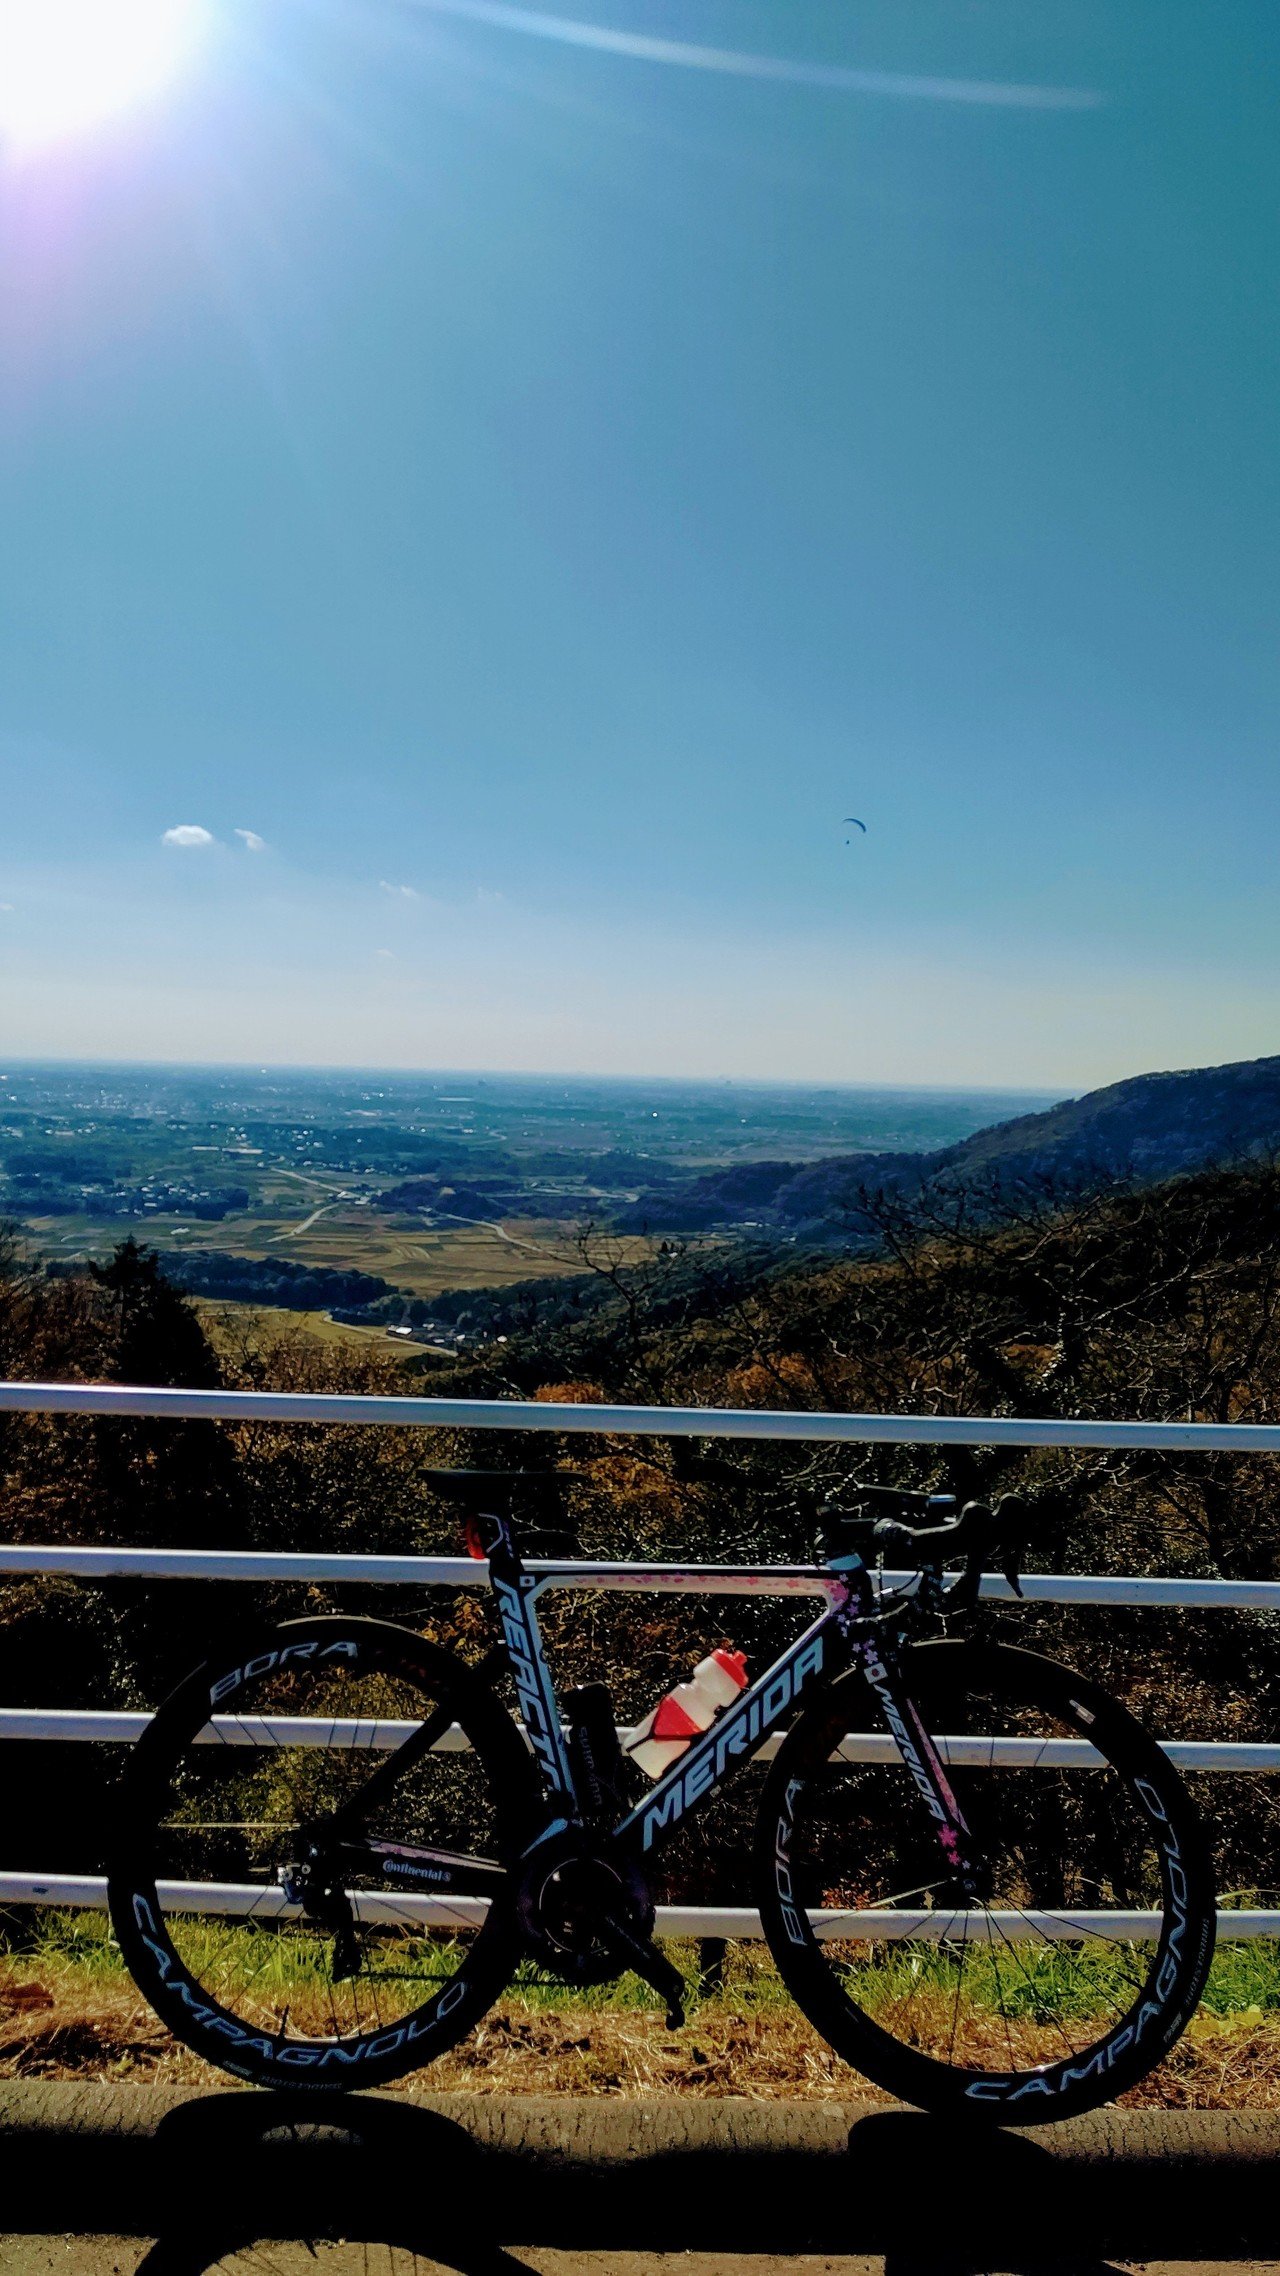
pixel 987 1538
pixel 978 1528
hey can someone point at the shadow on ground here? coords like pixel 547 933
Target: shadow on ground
pixel 212 2176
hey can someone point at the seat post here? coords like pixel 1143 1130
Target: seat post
pixel 490 1499
pixel 495 1532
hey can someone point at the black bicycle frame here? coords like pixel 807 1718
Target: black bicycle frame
pixel 844 1635
pixel 840 1637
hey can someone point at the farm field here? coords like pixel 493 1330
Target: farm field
pixel 404 1187
pixel 424 1259
pixel 222 1319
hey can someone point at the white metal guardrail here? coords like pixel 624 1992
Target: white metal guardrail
pixel 232 1900
pixel 89 1726
pixel 642 1422
pixel 268 1566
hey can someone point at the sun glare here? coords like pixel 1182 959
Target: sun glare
pixel 65 65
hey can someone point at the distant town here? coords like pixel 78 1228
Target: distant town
pixel 387 1202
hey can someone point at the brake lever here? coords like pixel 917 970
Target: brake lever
pixel 1006 1528
pixel 1009 1571
pixel 1014 1519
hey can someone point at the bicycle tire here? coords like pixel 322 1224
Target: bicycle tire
pixel 176 1779
pixel 886 2004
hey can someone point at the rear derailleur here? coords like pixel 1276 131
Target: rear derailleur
pixel 326 1902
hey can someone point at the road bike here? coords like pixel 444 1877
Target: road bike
pixel 978 1876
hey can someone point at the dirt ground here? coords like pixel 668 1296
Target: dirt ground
pixel 140 2256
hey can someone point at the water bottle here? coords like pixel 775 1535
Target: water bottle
pixel 692 1707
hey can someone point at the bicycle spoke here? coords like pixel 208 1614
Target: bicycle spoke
pixel 358 1951
pixel 1029 1980
pixel 956 1997
pixel 899 1897
pixel 1120 1945
pixel 1031 1977
pixel 1004 2012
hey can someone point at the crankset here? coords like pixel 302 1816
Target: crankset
pixel 652 1966
pixel 587 1916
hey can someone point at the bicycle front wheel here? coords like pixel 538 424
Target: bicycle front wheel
pixel 1088 1951
pixel 311 1882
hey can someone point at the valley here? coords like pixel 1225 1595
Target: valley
pixel 321 1191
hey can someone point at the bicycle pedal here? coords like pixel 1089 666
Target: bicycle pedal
pixel 653 1967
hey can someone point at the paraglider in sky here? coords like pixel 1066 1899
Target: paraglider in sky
pixel 857 825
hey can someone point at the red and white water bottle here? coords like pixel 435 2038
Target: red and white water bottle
pixel 691 1708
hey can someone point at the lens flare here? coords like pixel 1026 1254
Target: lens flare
pixel 67 65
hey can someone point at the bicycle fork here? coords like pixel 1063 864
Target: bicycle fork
pixel 924 1764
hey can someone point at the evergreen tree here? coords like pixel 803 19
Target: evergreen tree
pixel 159 1340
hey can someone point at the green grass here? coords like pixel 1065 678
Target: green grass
pixel 69 2009
pixel 1245 1977
pixel 82 1943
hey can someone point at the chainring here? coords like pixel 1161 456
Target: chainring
pixel 569 1888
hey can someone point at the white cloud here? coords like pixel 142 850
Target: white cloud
pixel 399 892
pixel 188 834
pixel 252 842
pixel 387 954
pixel 6 909
pixel 840 78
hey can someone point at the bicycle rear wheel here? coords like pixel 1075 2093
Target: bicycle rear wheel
pixel 352 1970
pixel 1085 1958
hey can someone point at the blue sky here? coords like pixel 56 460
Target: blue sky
pixel 539 489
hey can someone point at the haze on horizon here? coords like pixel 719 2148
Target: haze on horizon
pixel 301 1072
pixel 479 509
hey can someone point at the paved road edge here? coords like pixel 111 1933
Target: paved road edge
pixel 666 2170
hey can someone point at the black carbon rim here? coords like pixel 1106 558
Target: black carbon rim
pixel 991 2014
pixel 261 1993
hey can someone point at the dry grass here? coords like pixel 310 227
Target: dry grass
pixel 1224 2062
pixel 58 2021
pixel 53 2025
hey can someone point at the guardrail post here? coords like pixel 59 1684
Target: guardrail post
pixel 711 1952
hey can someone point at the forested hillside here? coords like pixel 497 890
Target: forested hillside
pixel 1161 1302
pixel 1148 1127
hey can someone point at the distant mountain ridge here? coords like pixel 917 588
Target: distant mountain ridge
pixel 1147 1127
